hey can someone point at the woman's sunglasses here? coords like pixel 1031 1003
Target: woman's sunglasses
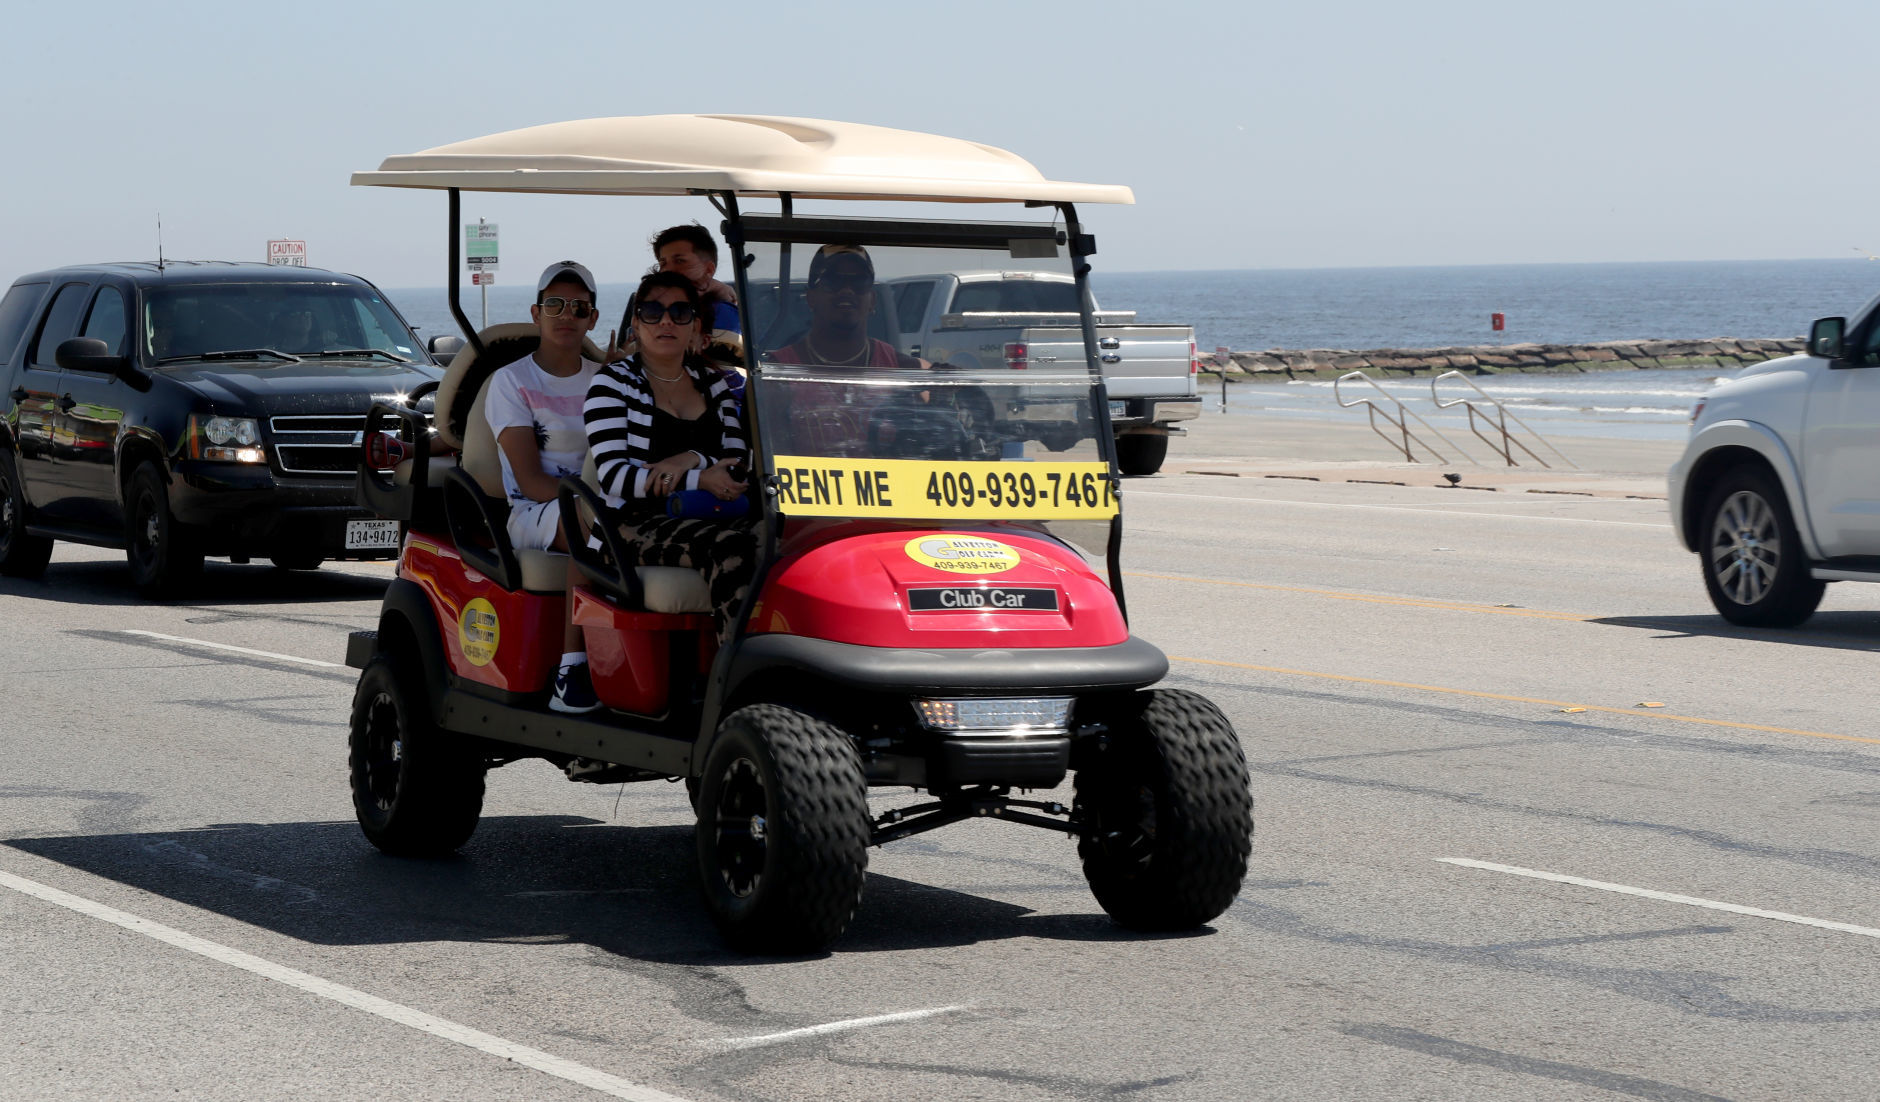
pixel 579 307
pixel 681 313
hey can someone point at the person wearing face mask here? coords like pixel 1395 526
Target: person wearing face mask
pixel 664 421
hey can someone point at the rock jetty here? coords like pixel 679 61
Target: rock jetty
pixel 1278 365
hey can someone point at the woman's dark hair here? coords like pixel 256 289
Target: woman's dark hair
pixel 701 309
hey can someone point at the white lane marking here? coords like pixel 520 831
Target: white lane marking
pixel 832 1027
pixel 1667 897
pixel 226 646
pixel 346 996
pixel 1390 508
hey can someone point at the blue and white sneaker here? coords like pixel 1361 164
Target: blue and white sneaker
pixel 574 691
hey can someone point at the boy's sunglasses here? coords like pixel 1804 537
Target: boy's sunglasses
pixel 681 313
pixel 554 305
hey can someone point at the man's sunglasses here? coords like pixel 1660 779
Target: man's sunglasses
pixel 681 313
pixel 838 281
pixel 554 305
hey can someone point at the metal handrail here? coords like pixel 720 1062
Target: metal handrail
pixel 1405 437
pixel 1499 421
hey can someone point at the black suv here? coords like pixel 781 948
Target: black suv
pixel 187 409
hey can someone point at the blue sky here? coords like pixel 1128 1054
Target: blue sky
pixel 1255 135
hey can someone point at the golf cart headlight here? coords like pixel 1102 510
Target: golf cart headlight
pixel 1038 714
pixel 237 439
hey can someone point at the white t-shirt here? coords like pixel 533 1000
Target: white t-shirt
pixel 522 394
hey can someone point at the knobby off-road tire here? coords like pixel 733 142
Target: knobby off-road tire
pixel 415 791
pixel 1754 567
pixel 1167 813
pixel 21 555
pixel 782 831
pixel 1141 453
pixel 165 555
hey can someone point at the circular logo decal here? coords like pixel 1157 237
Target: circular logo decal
pixel 962 554
pixel 478 632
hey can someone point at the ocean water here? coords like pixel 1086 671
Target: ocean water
pixel 1411 307
pixel 1361 308
pixel 1545 303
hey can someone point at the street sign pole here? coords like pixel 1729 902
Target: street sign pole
pixel 480 257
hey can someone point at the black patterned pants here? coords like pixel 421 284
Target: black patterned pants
pixel 724 551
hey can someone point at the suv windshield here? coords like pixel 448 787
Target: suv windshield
pixel 299 319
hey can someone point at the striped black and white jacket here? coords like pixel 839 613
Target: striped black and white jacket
pixel 619 417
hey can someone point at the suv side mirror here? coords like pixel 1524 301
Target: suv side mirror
pixel 444 349
pixel 89 354
pixel 1825 339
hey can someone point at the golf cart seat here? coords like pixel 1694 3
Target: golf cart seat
pixel 474 501
pixel 667 589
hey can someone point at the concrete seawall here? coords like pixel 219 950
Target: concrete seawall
pixel 1326 363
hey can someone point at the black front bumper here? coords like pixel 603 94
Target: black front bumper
pixel 242 509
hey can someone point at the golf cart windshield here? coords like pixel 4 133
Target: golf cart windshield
pixel 856 419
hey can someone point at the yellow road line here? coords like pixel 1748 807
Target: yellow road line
pixel 1525 699
pixel 1411 602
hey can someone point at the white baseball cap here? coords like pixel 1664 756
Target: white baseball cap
pixel 567 269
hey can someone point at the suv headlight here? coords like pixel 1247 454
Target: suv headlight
pixel 233 439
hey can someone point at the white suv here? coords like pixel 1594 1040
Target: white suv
pixel 1778 491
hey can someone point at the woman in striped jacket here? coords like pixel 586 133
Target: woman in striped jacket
pixel 665 421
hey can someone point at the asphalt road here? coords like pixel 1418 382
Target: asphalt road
pixel 1419 675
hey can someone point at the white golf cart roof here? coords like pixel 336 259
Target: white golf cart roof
pixel 756 155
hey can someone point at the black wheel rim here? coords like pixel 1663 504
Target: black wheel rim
pixel 384 751
pixel 741 829
pixel 1124 826
pixel 9 512
pixel 146 533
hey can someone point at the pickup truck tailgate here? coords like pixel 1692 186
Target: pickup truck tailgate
pixel 1139 361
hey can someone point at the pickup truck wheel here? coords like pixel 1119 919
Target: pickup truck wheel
pixel 163 553
pixel 1166 813
pixel 782 831
pixel 21 555
pixel 415 793
pixel 1754 568
pixel 1141 453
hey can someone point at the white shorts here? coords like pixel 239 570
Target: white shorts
pixel 533 524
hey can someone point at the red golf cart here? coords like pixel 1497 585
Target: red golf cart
pixel 938 604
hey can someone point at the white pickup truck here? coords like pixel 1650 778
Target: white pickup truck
pixel 1029 321
pixel 1777 490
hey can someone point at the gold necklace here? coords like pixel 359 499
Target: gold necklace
pixel 820 358
pixel 651 374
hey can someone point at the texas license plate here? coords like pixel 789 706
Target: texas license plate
pixel 371 535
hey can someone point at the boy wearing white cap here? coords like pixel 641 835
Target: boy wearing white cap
pixel 534 408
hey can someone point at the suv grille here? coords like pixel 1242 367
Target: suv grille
pixel 322 444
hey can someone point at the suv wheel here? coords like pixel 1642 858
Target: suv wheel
pixel 782 831
pixel 1754 568
pixel 1166 813
pixel 415 792
pixel 21 555
pixel 163 552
